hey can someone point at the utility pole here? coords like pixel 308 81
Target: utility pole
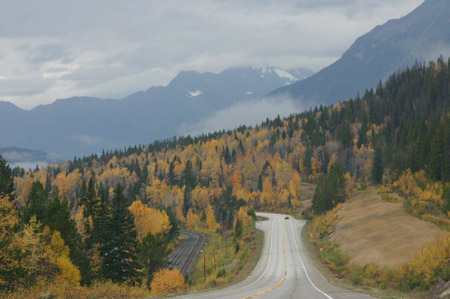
pixel 204 262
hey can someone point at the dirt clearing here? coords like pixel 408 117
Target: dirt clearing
pixel 371 230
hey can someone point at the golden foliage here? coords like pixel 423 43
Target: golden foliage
pixel 148 220
pixel 69 274
pixel 211 222
pixel 167 281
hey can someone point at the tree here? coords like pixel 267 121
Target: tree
pixel 119 262
pixel 188 177
pixel 8 264
pixel 36 203
pixel 330 191
pixel 187 200
pixel 6 180
pixel 167 281
pixel 58 218
pixel 152 252
pixel 377 168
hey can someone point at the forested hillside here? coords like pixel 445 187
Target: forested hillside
pixel 214 181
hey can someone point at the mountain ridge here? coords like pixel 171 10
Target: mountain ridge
pixel 84 125
pixel 422 35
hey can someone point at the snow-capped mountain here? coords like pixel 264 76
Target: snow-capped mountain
pixel 85 125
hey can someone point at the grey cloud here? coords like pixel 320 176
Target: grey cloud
pixel 47 52
pixel 105 49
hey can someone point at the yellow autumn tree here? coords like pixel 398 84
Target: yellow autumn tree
pixel 211 222
pixel 8 220
pixel 167 281
pixel 192 220
pixel 148 220
pixel 68 272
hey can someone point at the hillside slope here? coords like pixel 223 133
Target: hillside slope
pixel 371 230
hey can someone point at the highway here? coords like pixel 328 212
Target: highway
pixel 284 270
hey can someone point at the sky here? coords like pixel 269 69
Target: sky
pixel 53 49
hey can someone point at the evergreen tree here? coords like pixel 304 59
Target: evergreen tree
pixel 330 191
pixel 187 200
pixel 119 262
pixel 377 168
pixel 6 180
pixel 36 203
pixel 152 252
pixel 188 177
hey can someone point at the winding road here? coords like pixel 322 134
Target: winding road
pixel 284 269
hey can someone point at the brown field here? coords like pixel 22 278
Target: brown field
pixel 307 191
pixel 371 230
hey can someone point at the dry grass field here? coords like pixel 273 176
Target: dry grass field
pixel 371 230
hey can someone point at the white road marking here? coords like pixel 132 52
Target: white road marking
pixel 268 262
pixel 303 265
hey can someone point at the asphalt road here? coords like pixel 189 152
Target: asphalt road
pixel 284 270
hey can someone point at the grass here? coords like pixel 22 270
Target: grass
pixel 352 278
pixel 372 230
pixel 230 267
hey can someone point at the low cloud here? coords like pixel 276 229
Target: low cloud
pixel 249 113
pixel 88 48
pixel 88 140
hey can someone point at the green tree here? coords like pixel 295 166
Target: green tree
pixel 152 252
pixel 377 167
pixel 6 180
pixel 119 261
pixel 330 191
pixel 58 218
pixel 36 203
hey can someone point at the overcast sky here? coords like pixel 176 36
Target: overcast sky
pixel 109 49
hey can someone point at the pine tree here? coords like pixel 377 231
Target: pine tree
pixel 6 180
pixel 152 252
pixel 36 203
pixel 187 200
pixel 119 262
pixel 330 191
pixel 58 217
pixel 377 168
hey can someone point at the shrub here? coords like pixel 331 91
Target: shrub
pixel 167 281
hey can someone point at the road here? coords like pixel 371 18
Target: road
pixel 284 270
pixel 184 256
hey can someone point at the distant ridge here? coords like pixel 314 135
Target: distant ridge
pixel 422 36
pixel 26 158
pixel 85 125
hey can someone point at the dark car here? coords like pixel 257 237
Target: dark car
pixel 286 217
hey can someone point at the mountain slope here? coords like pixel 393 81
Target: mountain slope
pixel 422 35
pixel 83 125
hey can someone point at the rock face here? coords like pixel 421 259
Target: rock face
pixel 422 35
pixel 85 125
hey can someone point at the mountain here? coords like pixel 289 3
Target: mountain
pixel 84 125
pixel 422 35
pixel 26 158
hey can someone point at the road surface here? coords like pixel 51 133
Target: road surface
pixel 184 256
pixel 284 270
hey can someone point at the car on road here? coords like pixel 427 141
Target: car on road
pixel 286 217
